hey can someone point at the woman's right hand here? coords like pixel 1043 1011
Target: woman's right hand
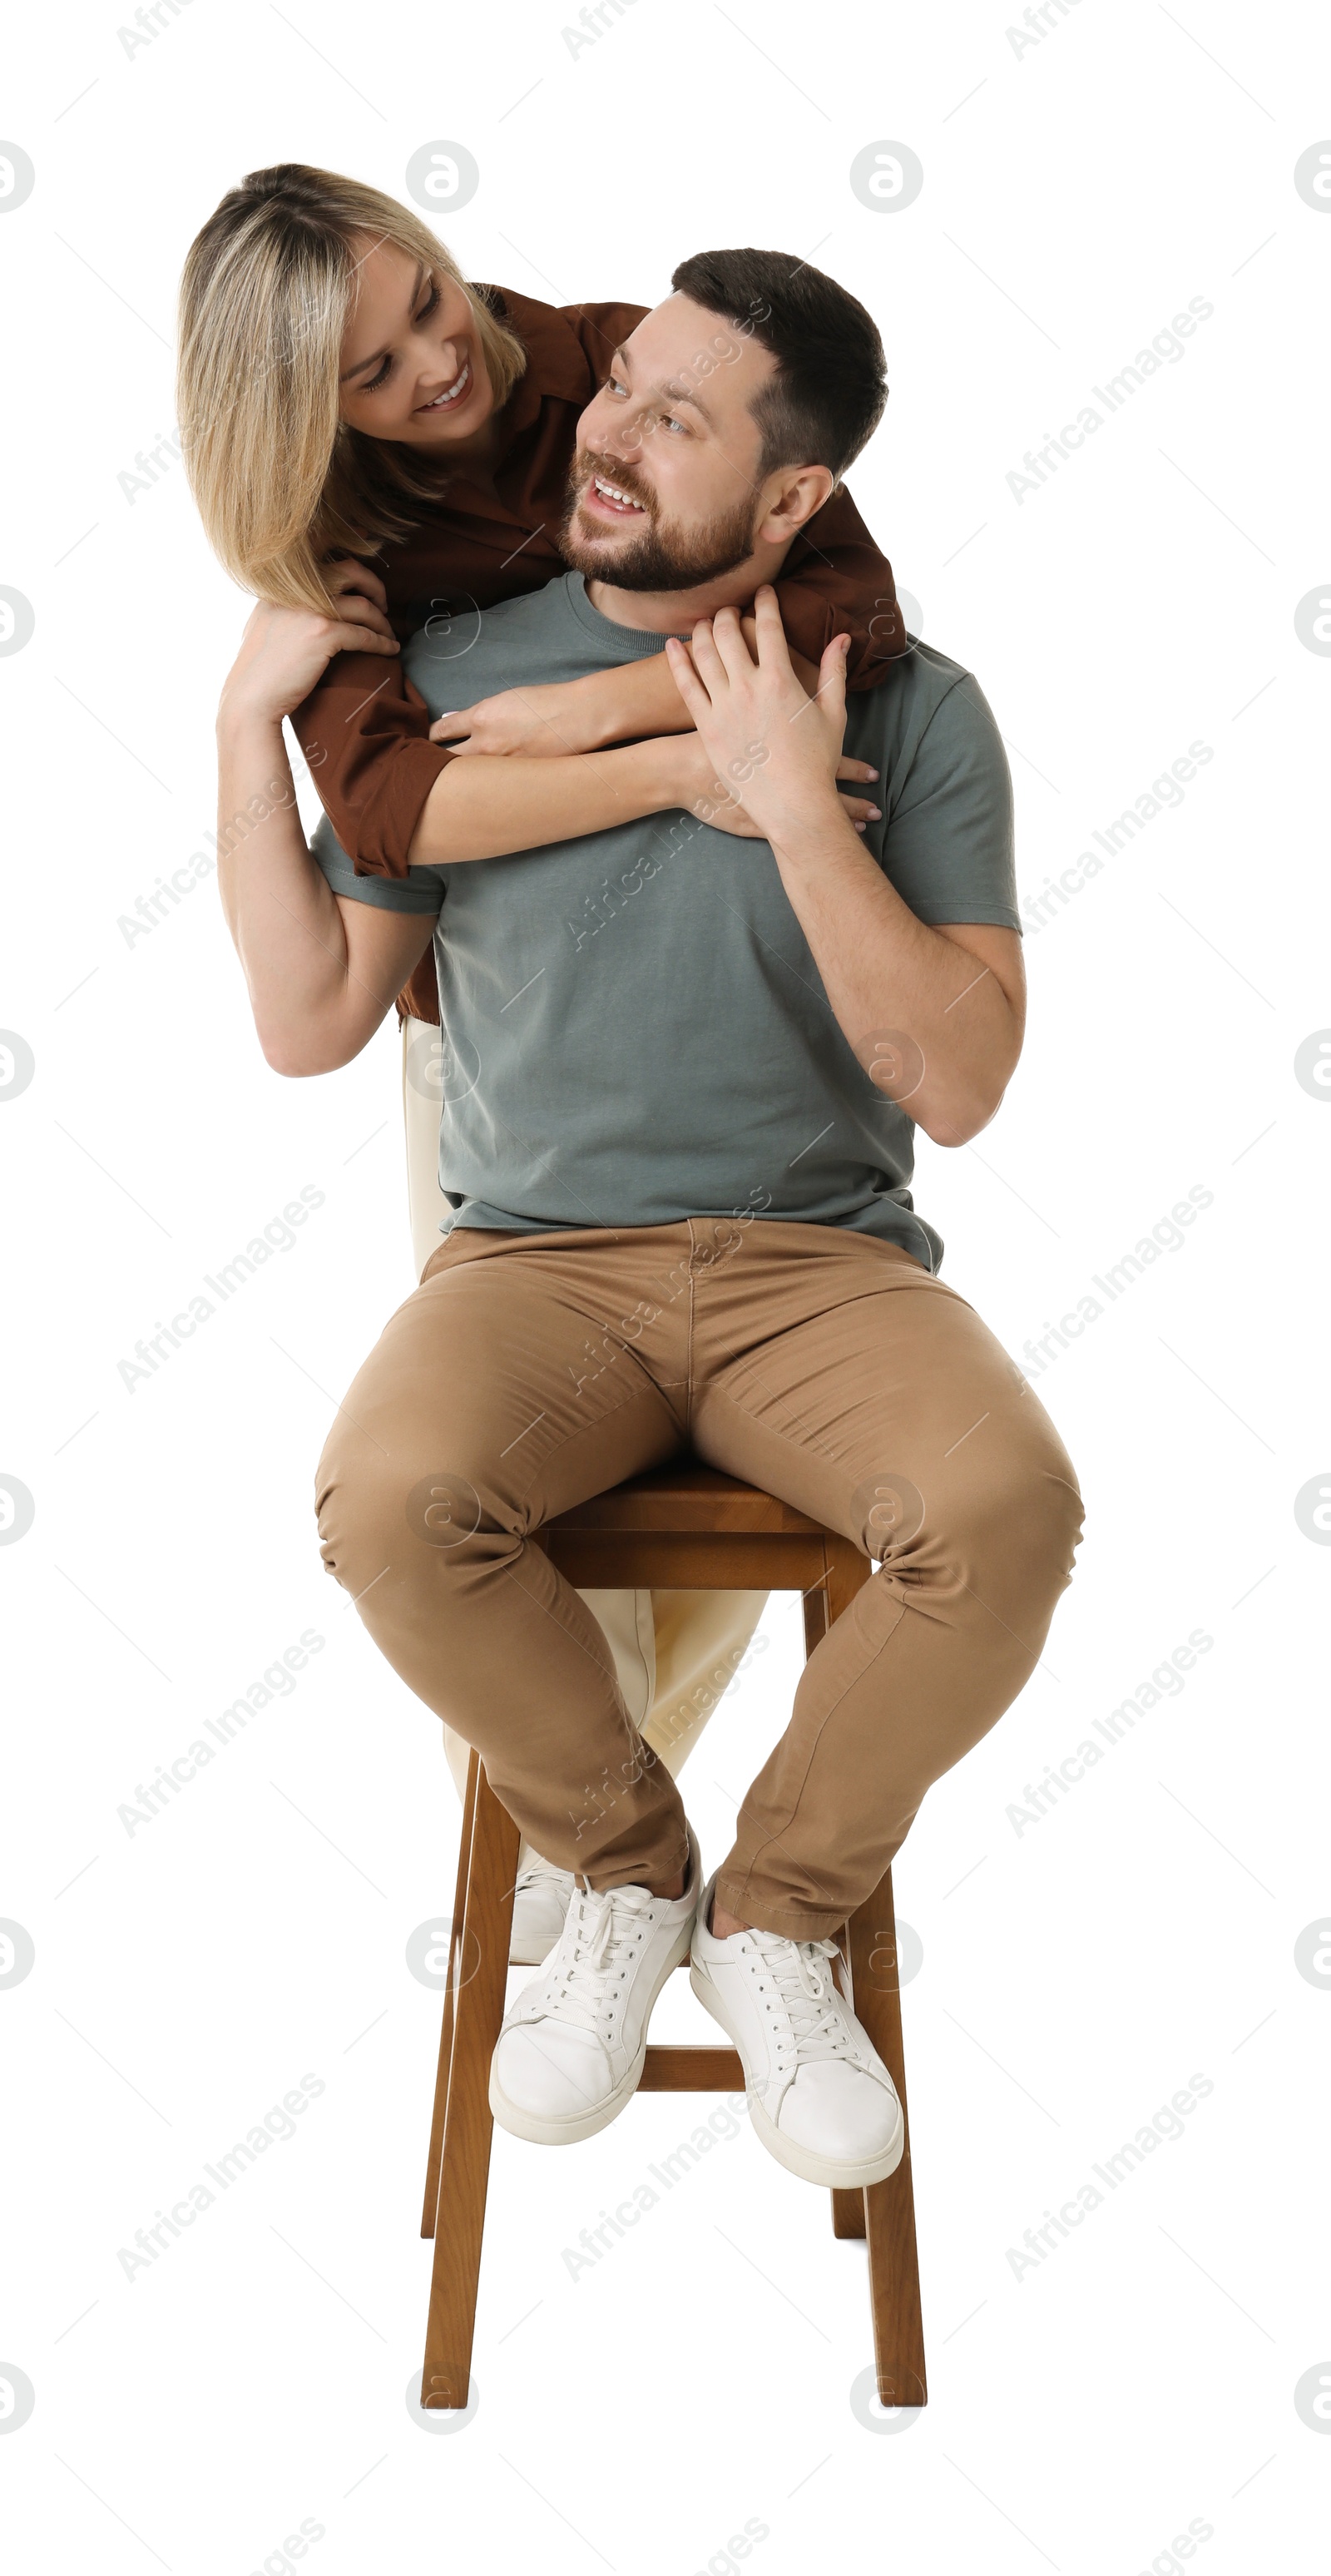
pixel 284 652
pixel 713 800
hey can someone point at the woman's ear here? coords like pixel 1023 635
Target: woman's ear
pixel 800 491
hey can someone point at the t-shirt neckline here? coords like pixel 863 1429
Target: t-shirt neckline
pixel 636 640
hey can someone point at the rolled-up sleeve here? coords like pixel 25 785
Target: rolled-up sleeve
pixel 365 734
pixel 420 890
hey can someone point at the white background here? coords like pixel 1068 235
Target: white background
pixel 1076 195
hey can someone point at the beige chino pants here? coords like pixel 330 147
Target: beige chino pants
pixel 528 1372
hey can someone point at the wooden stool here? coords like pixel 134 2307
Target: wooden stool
pixel 682 1528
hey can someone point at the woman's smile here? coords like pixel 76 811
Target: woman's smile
pixel 454 392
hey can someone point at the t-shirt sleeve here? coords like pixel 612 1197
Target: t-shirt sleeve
pixel 421 890
pixel 948 848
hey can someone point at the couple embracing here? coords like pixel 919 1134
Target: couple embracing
pixel 634 786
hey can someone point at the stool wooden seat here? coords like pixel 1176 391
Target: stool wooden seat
pixel 683 1528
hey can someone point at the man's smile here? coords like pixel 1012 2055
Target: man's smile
pixel 607 500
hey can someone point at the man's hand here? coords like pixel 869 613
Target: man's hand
pixel 777 750
pixel 945 1001
pixel 284 652
pixel 716 800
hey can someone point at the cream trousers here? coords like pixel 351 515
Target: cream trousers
pixel 675 1652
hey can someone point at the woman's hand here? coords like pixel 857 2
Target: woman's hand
pixel 347 579
pixel 285 651
pixel 716 800
pixel 777 751
pixel 548 720
pixel 630 702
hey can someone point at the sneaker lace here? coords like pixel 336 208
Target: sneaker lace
pixel 795 1983
pixel 603 1931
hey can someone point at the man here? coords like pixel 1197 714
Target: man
pixel 682 1074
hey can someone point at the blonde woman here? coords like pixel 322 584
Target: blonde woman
pixel 375 444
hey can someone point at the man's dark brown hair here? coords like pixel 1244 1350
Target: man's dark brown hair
pixel 828 394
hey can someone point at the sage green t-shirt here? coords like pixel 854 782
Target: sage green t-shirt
pixel 633 1026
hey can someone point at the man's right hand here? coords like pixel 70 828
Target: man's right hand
pixel 284 652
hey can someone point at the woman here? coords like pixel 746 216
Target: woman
pixel 345 395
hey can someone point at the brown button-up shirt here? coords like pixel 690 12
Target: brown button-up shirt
pixel 365 729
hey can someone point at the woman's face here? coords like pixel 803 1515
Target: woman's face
pixel 412 366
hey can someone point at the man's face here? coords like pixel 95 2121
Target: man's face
pixel 664 491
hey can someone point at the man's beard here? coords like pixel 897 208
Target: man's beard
pixel 659 557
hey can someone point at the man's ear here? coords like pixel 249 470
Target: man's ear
pixel 796 492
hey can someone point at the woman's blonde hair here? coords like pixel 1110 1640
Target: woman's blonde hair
pixel 282 482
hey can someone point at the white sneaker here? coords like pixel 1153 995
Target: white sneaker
pixel 571 2050
pixel 820 2097
pixel 540 1903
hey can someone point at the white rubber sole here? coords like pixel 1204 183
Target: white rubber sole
pixel 585 2124
pixel 833 2173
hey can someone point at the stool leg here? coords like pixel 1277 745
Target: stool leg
pixel 455 1975
pixel 886 2213
pixel 889 2207
pixel 847 2206
pixel 464 2167
pixel 848 2217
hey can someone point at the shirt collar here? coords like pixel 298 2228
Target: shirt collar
pixel 556 361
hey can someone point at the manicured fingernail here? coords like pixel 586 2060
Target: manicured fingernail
pixel 875 814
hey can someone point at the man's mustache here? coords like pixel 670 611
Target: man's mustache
pixel 585 467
